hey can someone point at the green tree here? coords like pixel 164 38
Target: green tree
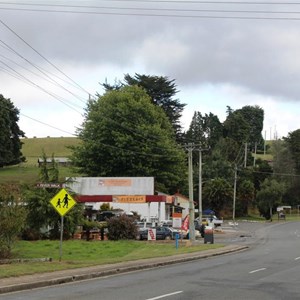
pixel 10 143
pixel 285 160
pixel 236 128
pixel 196 131
pixel 41 214
pixel 293 142
pixel 245 125
pixel 254 117
pixel 12 218
pixel 218 194
pixel 269 197
pixel 124 134
pixel 245 197
pixel 42 217
pixel 213 130
pixel 48 171
pixel 261 171
pixel 161 91
pixel 217 166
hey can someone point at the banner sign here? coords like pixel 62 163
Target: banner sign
pixel 151 234
pixel 185 223
pixel 115 182
pixel 129 199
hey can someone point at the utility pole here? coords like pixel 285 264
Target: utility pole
pixel 265 142
pixel 234 195
pixel 190 148
pixel 200 185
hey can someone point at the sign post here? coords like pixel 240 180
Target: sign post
pixel 62 202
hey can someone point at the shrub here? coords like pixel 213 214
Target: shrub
pixel 12 218
pixel 121 228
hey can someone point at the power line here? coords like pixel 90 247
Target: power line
pixel 48 125
pixel 170 15
pixel 279 174
pixel 50 80
pixel 42 56
pixel 163 1
pixel 156 9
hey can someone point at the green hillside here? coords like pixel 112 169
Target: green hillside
pixel 32 149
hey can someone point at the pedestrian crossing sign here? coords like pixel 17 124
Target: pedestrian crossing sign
pixel 62 202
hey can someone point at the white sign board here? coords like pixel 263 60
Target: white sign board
pixel 111 185
pixel 151 234
pixel 176 222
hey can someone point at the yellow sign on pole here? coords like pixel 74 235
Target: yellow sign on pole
pixel 62 202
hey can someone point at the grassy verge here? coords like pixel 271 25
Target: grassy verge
pixel 77 253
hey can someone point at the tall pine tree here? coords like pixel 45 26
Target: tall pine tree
pixel 10 133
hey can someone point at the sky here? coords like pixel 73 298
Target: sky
pixel 54 55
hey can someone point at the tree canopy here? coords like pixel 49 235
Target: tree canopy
pixel 293 142
pixel 245 125
pixel 10 144
pixel 269 196
pixel 124 134
pixel 161 91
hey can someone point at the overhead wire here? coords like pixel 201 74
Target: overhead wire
pixel 160 15
pixel 157 9
pixel 161 1
pixel 48 125
pixel 19 76
pixel 30 71
pixel 168 9
pixel 42 56
pixel 42 89
pixel 36 67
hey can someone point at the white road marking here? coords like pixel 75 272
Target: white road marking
pixel 166 295
pixel 258 270
pixel 297 258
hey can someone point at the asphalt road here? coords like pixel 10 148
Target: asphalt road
pixel 270 269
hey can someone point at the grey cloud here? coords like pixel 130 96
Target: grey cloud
pixel 257 55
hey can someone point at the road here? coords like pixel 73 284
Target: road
pixel 270 269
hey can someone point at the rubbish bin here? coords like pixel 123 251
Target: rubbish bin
pixel 208 235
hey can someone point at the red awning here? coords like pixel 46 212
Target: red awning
pixel 108 198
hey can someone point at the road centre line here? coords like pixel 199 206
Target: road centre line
pixel 165 295
pixel 257 270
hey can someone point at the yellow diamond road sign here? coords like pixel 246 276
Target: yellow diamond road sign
pixel 62 202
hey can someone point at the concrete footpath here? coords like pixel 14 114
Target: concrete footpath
pixel 13 284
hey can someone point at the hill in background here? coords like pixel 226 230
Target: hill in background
pixel 32 149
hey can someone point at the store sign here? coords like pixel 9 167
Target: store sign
pixel 129 199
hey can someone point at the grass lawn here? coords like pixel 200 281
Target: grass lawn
pixel 32 149
pixel 78 253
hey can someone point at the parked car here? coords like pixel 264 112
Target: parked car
pixel 174 232
pixel 211 219
pixel 162 233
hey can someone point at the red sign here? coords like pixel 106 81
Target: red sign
pixel 185 223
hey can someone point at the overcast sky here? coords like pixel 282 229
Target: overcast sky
pixel 220 54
